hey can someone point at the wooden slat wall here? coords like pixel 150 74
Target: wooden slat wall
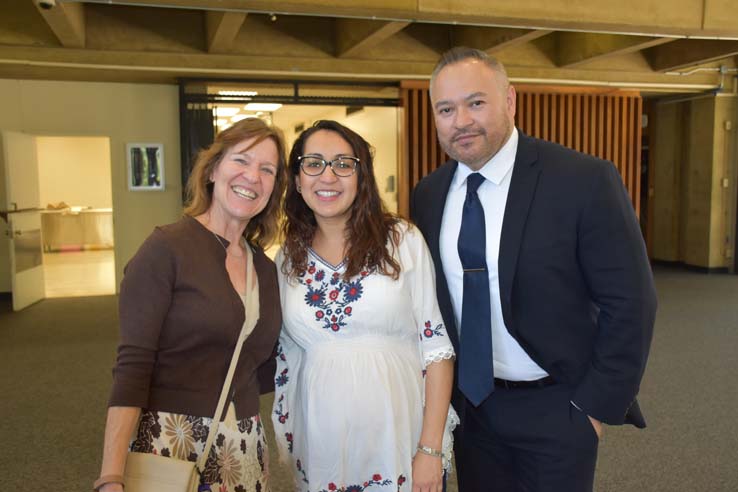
pixel 606 124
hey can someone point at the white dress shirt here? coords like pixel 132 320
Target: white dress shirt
pixel 510 360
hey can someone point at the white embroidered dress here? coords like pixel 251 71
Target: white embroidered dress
pixel 348 407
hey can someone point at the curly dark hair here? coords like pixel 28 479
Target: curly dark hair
pixel 370 224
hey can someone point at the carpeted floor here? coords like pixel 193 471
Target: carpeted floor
pixel 55 360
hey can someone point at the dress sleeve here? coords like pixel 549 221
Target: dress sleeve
pixel 416 262
pixel 434 342
pixel 145 297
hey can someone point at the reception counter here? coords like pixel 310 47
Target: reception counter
pixel 77 230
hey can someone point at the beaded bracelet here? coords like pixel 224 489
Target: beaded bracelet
pixel 106 479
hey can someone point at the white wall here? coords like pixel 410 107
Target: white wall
pixel 74 170
pixel 122 112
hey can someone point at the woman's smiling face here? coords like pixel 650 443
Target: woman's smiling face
pixel 244 178
pixel 329 197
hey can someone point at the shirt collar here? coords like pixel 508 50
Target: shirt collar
pixel 496 169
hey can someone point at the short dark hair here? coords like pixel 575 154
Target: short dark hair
pixel 460 53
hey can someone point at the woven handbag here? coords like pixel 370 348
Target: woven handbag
pixel 147 472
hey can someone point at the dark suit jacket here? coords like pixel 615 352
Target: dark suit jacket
pixel 576 286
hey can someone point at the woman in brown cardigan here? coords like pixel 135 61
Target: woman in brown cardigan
pixel 181 312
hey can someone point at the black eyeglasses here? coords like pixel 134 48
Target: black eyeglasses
pixel 314 165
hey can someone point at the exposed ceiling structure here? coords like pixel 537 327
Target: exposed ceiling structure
pixel 652 45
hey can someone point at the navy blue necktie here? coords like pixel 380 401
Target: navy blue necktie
pixel 476 377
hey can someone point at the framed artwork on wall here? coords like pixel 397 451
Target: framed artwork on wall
pixel 145 166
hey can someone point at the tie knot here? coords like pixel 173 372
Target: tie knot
pixel 473 182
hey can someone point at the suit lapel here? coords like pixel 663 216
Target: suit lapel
pixel 522 189
pixel 439 189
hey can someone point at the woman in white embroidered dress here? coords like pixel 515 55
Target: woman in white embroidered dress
pixel 365 368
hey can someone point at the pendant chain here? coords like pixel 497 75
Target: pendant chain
pixel 225 247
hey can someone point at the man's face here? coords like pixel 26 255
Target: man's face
pixel 474 114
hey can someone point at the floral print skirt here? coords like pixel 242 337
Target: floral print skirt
pixel 238 457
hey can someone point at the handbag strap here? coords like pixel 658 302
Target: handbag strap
pixel 251 315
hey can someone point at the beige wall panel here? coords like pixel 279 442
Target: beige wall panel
pixel 724 199
pixel 122 112
pixel 75 170
pixel 697 227
pixel 10 104
pixel 665 157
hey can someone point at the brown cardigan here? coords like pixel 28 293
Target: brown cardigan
pixel 179 321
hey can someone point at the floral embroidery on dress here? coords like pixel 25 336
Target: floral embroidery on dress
pixel 298 465
pixel 282 416
pixel 331 297
pixel 430 332
pixel 376 480
pixel 400 480
pixel 282 378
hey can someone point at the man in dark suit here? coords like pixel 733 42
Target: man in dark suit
pixel 543 282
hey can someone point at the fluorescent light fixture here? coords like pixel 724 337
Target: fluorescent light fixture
pixel 226 112
pixel 268 107
pixel 239 117
pixel 237 93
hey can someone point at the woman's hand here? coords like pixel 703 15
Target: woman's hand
pixel 427 473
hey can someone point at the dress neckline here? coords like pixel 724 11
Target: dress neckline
pixel 325 262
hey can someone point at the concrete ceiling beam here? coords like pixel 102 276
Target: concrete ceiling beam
pixel 354 36
pixel 494 39
pixel 222 29
pixel 576 48
pixel 67 21
pixel 689 52
pixel 714 18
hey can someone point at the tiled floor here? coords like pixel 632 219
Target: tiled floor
pixel 79 273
